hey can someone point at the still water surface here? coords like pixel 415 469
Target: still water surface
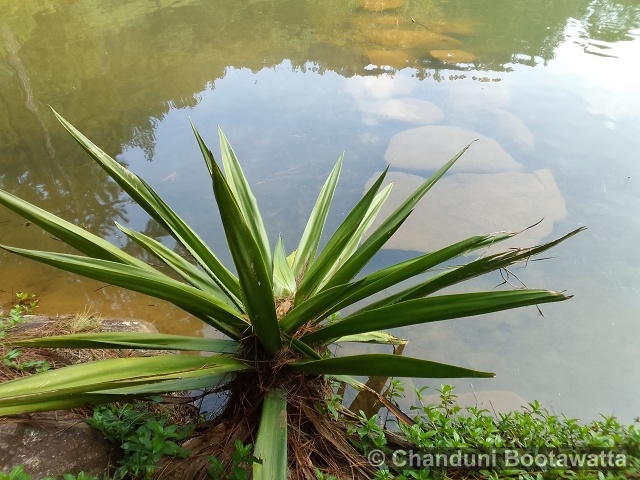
pixel 549 88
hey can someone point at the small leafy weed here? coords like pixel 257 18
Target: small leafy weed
pixel 241 463
pixel 144 437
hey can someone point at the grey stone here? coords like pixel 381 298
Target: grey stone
pixel 53 443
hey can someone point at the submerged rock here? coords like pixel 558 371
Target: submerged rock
pixel 460 27
pixel 381 5
pixel 397 38
pixel 467 204
pixel 513 128
pixel 382 86
pixel 428 148
pixel 397 59
pixel 453 56
pixel 368 21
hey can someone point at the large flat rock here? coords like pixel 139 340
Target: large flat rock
pixel 430 147
pixel 467 204
pixel 512 127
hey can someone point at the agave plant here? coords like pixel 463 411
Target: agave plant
pixel 278 312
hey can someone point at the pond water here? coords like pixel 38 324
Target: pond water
pixel 550 89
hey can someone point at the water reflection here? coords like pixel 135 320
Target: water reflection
pixel 294 84
pixel 132 58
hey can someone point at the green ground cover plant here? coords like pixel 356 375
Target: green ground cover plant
pixel 144 436
pixel 24 304
pixel 436 427
pixel 12 358
pixel 278 314
pixel 18 473
pixel 447 427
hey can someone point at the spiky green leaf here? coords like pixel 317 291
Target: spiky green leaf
pixel 306 251
pixel 239 185
pixel 316 308
pixel 380 236
pixel 337 243
pixel 424 310
pixel 385 366
pixel 395 274
pixel 331 278
pixel 133 340
pixel 271 442
pixel 251 266
pixel 71 234
pixel 76 384
pixel 147 198
pixel 284 282
pixel 153 283
pixel 186 270
pixel 373 337
pixel 471 270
